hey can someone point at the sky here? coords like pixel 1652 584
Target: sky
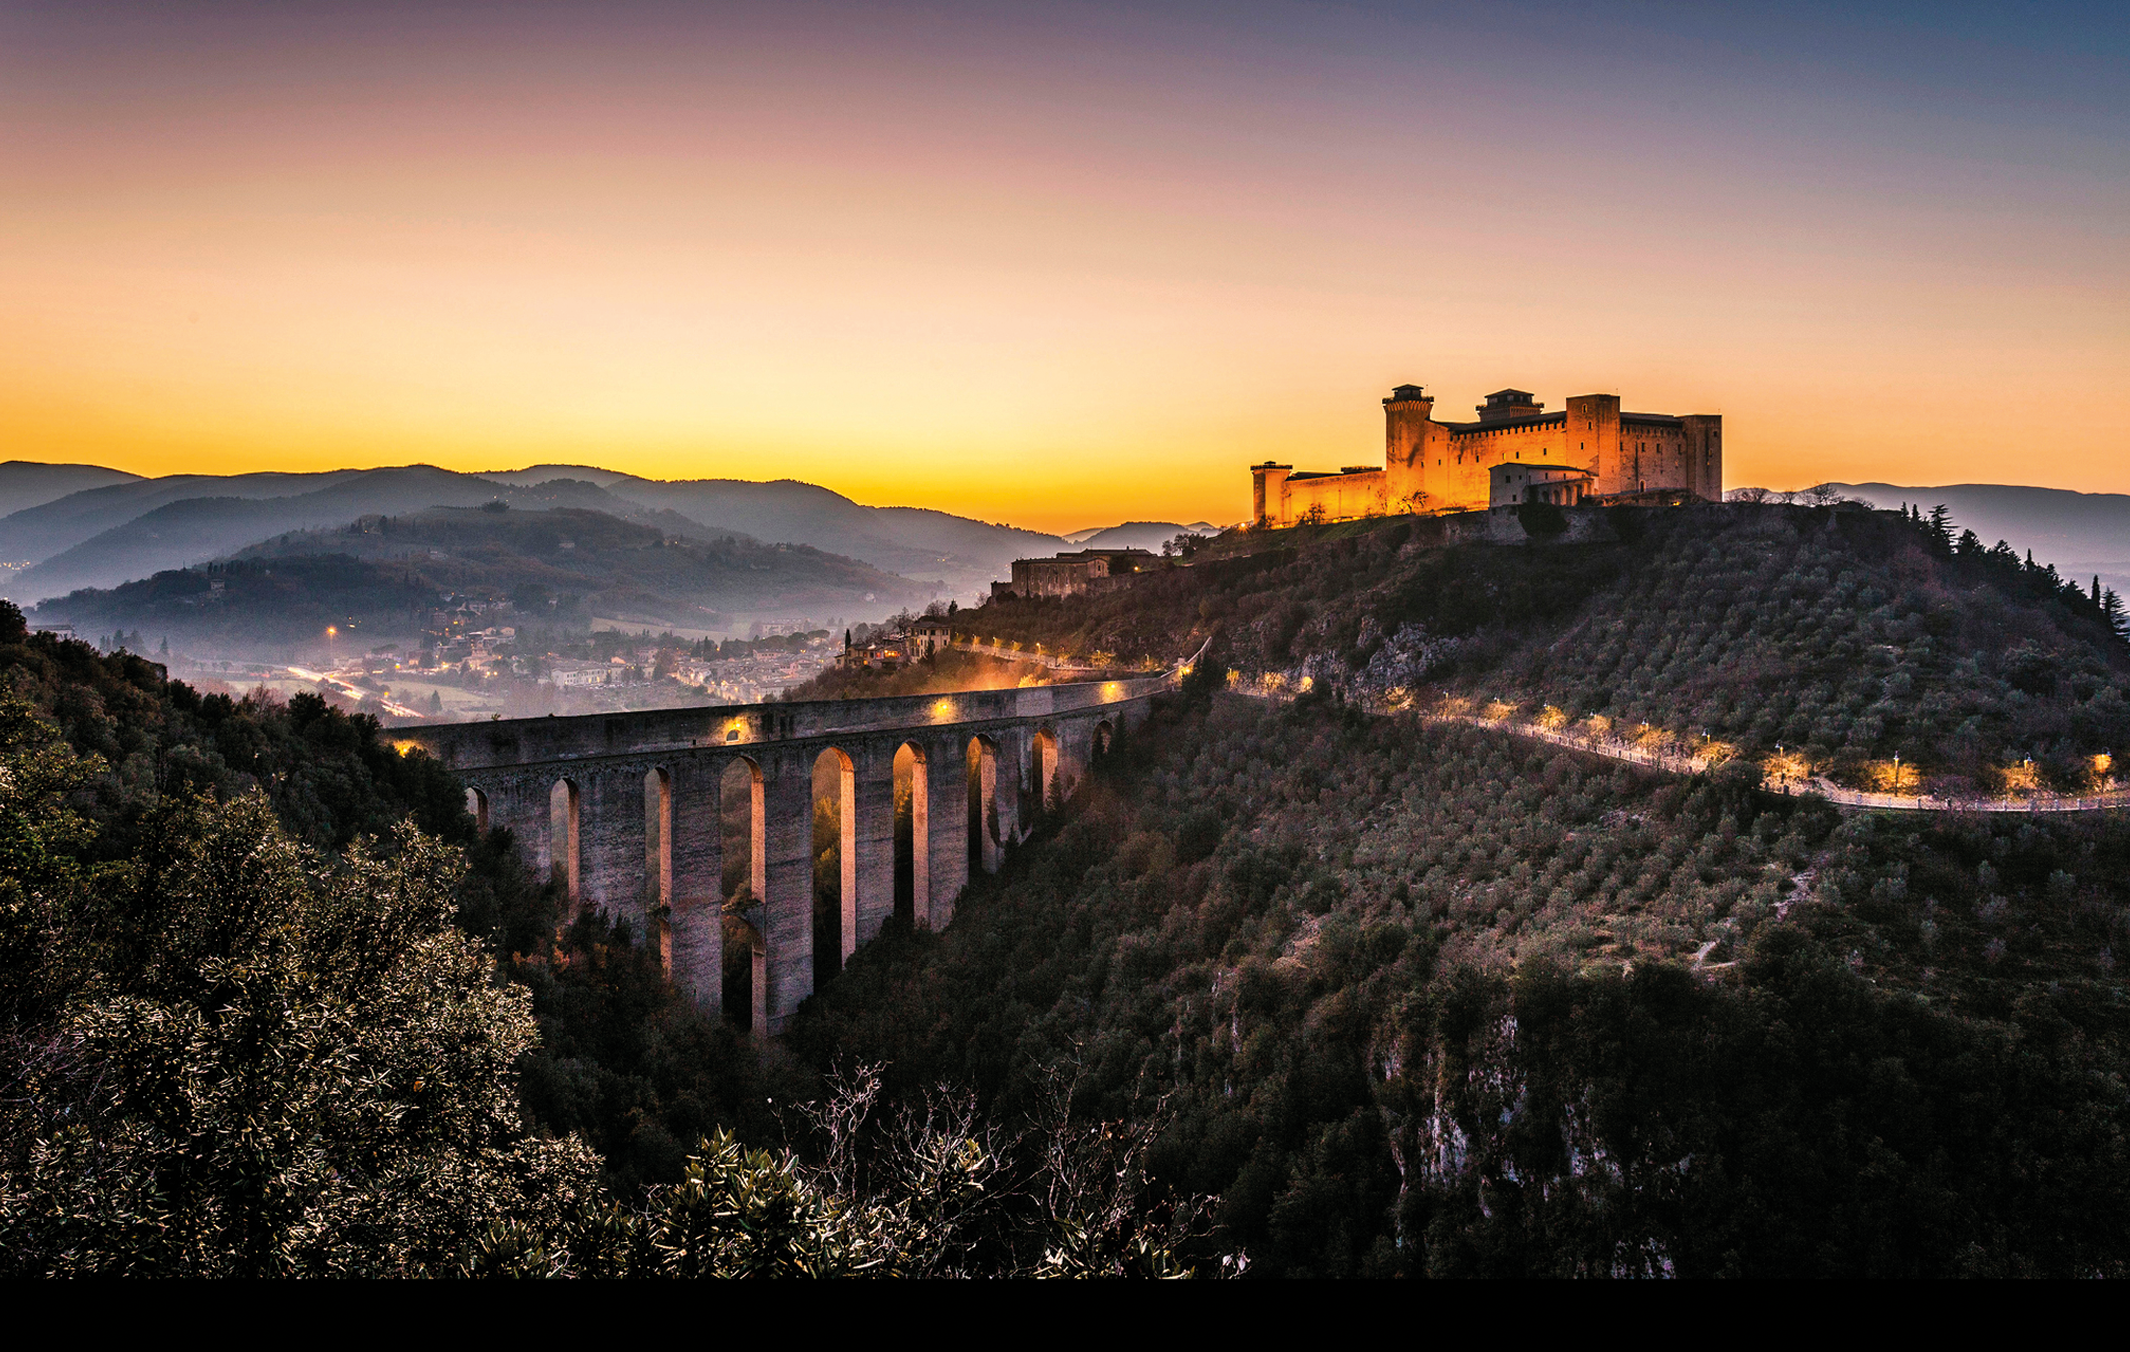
pixel 1063 264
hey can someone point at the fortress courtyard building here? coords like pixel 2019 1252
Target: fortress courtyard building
pixel 1590 451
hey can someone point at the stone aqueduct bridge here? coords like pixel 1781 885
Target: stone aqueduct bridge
pixel 630 811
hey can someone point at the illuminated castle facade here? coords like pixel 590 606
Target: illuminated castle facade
pixel 1515 451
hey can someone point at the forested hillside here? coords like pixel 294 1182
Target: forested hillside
pixel 1841 636
pixel 1439 1002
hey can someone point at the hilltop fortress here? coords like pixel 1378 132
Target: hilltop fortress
pixel 1516 452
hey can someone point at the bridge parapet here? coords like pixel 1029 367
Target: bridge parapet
pixel 528 741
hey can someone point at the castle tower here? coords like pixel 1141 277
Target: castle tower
pixel 1704 454
pixel 1594 441
pixel 1268 497
pixel 1407 415
pixel 1502 405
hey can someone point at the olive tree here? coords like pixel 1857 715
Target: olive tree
pixel 249 1058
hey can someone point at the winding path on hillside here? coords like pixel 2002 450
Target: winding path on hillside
pixel 1620 750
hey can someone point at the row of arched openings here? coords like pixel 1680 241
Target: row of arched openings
pixel 743 851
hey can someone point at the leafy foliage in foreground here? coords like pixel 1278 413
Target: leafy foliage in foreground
pixel 629 1064
pixel 232 1057
pixel 932 1190
pixel 622 1059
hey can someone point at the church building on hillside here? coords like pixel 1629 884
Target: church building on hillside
pixel 1590 451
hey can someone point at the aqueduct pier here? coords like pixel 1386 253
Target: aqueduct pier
pixel 662 815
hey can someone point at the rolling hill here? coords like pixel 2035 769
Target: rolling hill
pixel 26 483
pixel 916 541
pixel 2081 533
pixel 1147 535
pixel 52 527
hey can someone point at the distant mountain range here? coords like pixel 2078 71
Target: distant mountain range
pixel 1136 534
pixel 2083 534
pixel 85 527
pixel 381 577
pixel 179 529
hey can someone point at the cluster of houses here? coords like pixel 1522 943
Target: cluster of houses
pixel 888 648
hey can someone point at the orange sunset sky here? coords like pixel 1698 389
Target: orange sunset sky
pixel 1059 265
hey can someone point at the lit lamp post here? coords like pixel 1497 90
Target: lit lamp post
pixel 1896 774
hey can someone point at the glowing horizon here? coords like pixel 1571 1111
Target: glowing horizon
pixel 1058 266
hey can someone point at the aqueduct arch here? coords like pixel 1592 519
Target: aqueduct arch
pixel 985 839
pixel 565 862
pixel 743 884
pixel 1044 767
pixel 658 859
pixel 835 862
pixel 913 834
pixel 696 825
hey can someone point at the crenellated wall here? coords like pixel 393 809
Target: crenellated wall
pixel 1335 497
pixel 647 792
